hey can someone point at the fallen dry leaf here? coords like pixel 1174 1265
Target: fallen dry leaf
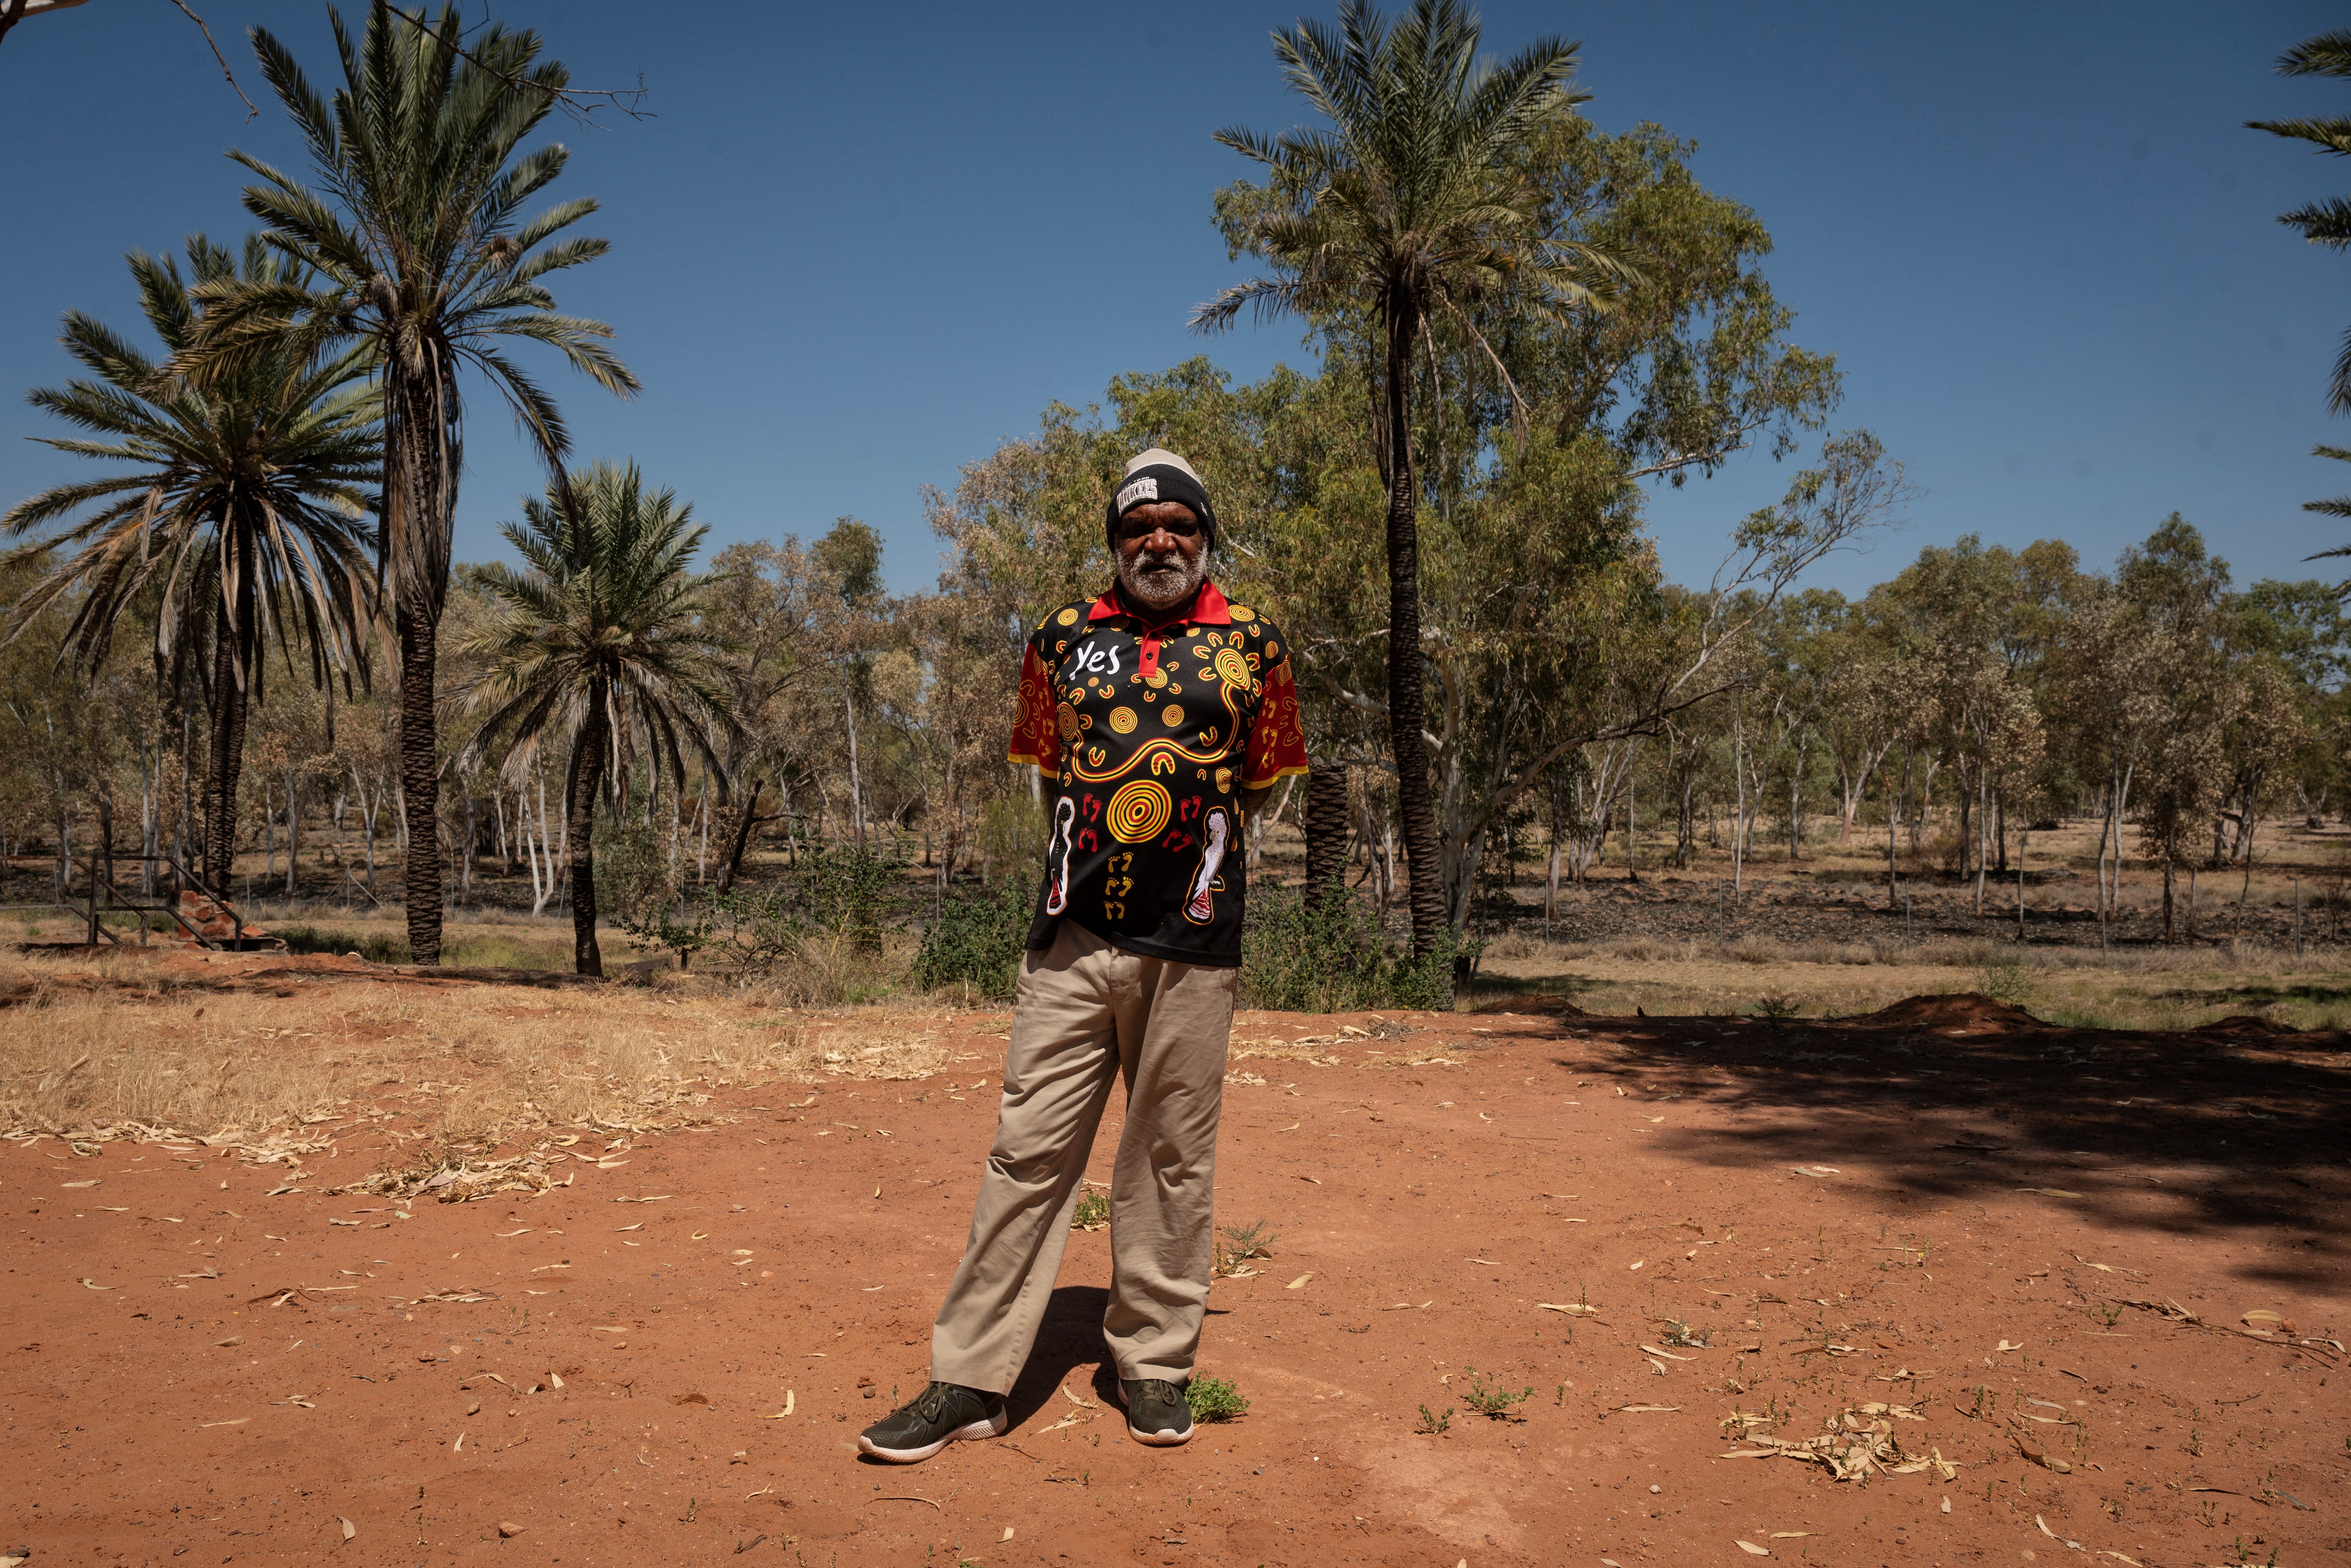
pixel 2050 1191
pixel 350 1529
pixel 1006 1535
pixel 1080 1404
pixel 91 1285
pixel 1754 1551
pixel 1573 1309
pixel 2004 1345
pixel 1639 1408
pixel 1301 1279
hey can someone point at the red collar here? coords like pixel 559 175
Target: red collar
pixel 1209 609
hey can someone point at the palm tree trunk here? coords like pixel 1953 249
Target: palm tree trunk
pixel 227 748
pixel 587 773
pixel 420 784
pixel 1326 834
pixel 1407 718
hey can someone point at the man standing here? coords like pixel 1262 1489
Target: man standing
pixel 1161 715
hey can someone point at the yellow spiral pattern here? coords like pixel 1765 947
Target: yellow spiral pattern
pixel 1065 718
pixel 1232 668
pixel 1139 811
pixel 1172 715
pixel 1122 719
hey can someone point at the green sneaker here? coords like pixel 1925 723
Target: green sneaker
pixel 942 1414
pixel 1156 1411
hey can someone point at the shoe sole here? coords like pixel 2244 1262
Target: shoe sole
pixel 994 1427
pixel 1162 1438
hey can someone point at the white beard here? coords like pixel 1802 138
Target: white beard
pixel 1160 581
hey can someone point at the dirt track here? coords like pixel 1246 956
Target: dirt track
pixel 194 1367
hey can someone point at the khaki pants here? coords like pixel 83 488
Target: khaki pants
pixel 1084 1012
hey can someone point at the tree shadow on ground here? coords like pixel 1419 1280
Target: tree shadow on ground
pixel 2258 996
pixel 2241 1125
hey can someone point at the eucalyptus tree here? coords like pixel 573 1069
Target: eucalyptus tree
pixel 603 647
pixel 1410 208
pixel 241 521
pixel 422 254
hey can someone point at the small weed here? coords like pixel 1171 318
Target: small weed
pixel 2194 1446
pixel 1093 1213
pixel 1433 1424
pixel 1560 1397
pixel 1214 1399
pixel 2004 979
pixel 2112 1313
pixel 1494 1401
pixel 1240 1243
pixel 1681 1336
pixel 1777 1009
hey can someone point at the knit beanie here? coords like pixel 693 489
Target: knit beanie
pixel 1159 474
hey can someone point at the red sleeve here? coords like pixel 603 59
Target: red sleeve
pixel 1035 736
pixel 1277 746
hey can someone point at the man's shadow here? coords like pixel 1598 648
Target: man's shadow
pixel 1069 1337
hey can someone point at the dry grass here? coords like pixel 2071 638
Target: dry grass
pixel 114 1044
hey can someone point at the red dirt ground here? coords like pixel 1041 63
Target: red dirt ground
pixel 1945 1208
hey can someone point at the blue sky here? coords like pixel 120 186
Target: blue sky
pixel 859 246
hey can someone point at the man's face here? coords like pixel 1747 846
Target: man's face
pixel 1162 554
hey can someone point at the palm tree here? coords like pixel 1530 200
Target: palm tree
pixel 603 647
pixel 2328 222
pixel 244 523
pixel 416 239
pixel 1408 209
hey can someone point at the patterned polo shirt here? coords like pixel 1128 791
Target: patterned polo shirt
pixel 1151 731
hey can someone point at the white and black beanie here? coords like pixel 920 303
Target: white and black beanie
pixel 1159 474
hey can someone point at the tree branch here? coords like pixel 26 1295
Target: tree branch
pixel 579 102
pixel 231 76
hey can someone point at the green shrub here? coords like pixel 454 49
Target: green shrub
pixel 845 890
pixel 976 941
pixel 1299 958
pixel 633 876
pixel 1214 1399
pixel 1092 1213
